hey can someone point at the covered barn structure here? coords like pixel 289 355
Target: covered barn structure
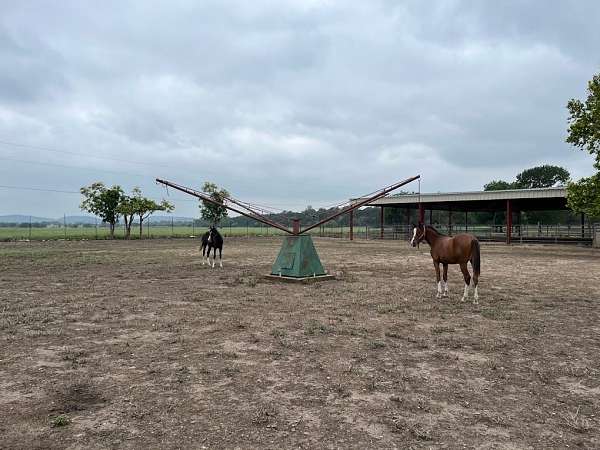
pixel 511 204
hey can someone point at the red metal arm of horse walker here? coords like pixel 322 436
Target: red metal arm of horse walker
pixel 252 214
pixel 382 193
pixel 260 218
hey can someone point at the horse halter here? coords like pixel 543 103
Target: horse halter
pixel 419 236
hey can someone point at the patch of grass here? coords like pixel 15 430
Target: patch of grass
pixel 386 309
pixel 278 333
pixel 577 422
pixel 264 415
pixel 535 328
pixel 375 345
pixel 442 329
pixel 393 335
pixel 341 390
pixel 496 314
pixel 314 327
pixel 230 371
pixel 61 420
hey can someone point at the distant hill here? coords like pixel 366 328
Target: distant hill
pixel 158 218
pixel 76 220
pixel 87 220
pixel 20 218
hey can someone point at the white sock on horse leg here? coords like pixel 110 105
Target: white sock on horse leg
pixel 439 289
pixel 446 287
pixel 220 262
pixel 466 294
pixel 476 295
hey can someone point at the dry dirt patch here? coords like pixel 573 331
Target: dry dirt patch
pixel 138 344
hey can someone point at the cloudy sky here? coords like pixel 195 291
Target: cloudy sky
pixel 285 103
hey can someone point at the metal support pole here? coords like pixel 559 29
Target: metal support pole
pixel 431 217
pixel 508 221
pixel 582 225
pixel 351 220
pixel 450 222
pixel 466 221
pixel 421 213
pixel 381 223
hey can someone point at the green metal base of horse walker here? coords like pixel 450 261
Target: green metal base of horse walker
pixel 298 261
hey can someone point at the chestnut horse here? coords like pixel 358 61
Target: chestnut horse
pixel 459 249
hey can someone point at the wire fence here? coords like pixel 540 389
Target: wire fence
pixel 525 233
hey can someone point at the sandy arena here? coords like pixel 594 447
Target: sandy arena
pixel 137 345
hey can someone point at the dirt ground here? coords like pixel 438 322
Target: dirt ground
pixel 136 344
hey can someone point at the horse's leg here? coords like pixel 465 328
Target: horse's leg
pixel 220 256
pixel 475 283
pixel 436 264
pixel 445 280
pixel 214 256
pixel 203 248
pixel 465 271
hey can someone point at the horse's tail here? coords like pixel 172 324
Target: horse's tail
pixel 475 257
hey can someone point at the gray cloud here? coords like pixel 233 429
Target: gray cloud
pixel 290 103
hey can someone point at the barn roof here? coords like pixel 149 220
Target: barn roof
pixel 553 198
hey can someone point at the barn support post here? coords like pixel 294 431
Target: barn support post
pixel 508 221
pixel 351 220
pixel 421 213
pixel 381 223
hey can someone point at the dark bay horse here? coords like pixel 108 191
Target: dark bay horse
pixel 212 240
pixel 445 250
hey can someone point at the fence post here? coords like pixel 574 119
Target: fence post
pixel 65 224
pixel 148 227
pixel 30 228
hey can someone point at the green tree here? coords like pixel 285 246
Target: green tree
pixel 584 195
pixel 145 207
pixel 584 121
pixel 542 176
pixel 584 132
pixel 127 209
pixel 498 185
pixel 211 212
pixel 102 202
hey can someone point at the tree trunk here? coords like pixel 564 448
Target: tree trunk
pixel 127 226
pixel 141 229
pixel 112 230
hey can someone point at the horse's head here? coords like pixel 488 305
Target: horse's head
pixel 211 232
pixel 419 233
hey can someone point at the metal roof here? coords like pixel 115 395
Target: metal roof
pixel 553 198
pixel 511 194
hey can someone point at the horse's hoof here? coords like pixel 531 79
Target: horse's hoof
pixel 438 295
pixel 445 295
pixel 464 299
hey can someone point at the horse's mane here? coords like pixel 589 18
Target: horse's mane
pixel 431 227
